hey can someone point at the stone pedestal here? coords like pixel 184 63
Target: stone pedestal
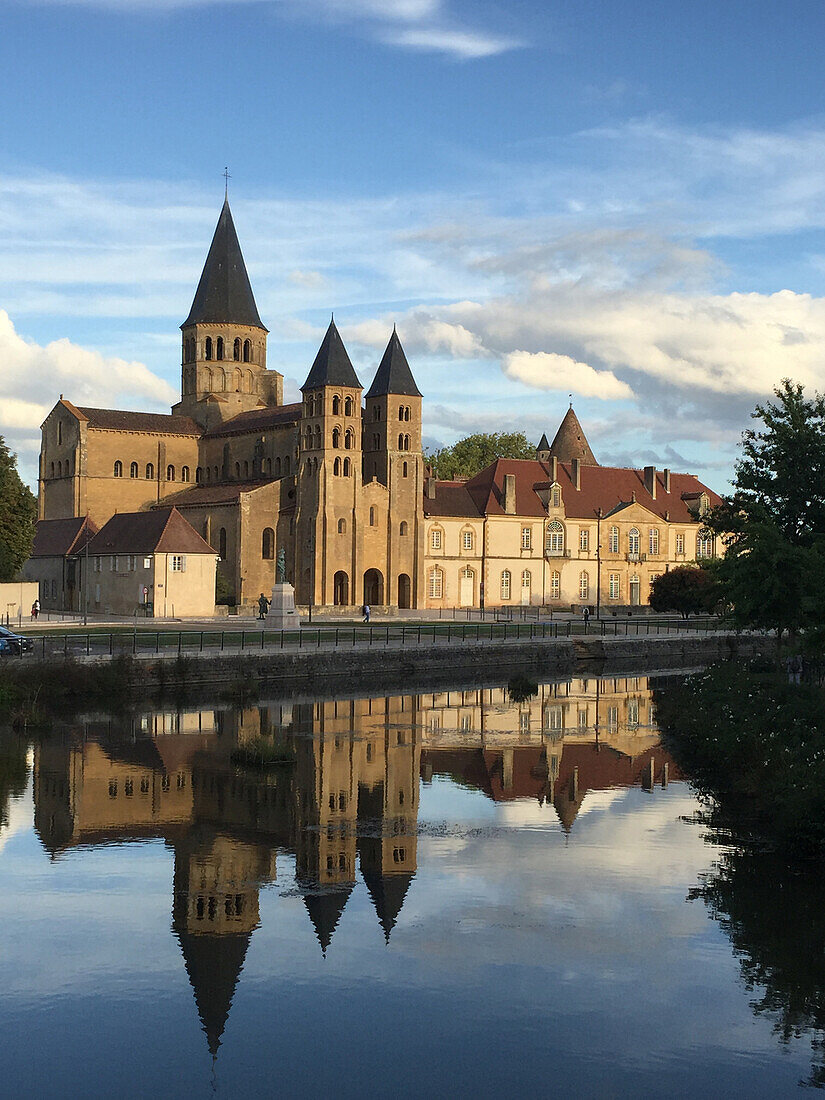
pixel 282 614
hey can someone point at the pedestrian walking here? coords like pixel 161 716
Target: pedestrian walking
pixel 263 606
pixel 366 610
pixel 35 609
pixel 586 616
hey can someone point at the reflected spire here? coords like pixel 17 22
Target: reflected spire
pixel 325 909
pixel 214 964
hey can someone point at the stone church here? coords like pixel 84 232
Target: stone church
pixel 338 481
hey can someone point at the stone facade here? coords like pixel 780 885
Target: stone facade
pixel 338 481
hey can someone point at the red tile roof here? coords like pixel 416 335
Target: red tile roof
pixel 603 487
pixel 161 531
pixel 257 420
pixel 120 420
pixel 61 537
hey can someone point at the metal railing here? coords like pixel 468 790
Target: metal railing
pixel 174 643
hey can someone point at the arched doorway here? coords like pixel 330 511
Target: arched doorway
pixel 404 591
pixel 634 590
pixel 340 589
pixel 466 587
pixel 373 587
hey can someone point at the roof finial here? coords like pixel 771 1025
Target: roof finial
pixel 226 179
pixel 570 395
pixel 393 326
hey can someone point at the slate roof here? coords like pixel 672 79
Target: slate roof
pixel 570 441
pixel 393 374
pixel 161 531
pixel 121 420
pixel 603 487
pixel 543 443
pixel 226 493
pixel 257 420
pixel 59 538
pixel 332 366
pixel 224 294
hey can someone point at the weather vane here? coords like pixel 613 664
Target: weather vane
pixel 226 179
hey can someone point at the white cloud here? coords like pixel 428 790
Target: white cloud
pixel 547 371
pixel 462 44
pixel 33 377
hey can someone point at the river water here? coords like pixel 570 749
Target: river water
pixel 450 893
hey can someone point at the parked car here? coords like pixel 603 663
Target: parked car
pixel 13 645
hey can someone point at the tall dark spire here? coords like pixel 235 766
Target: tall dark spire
pixel 570 442
pixel 224 294
pixel 325 908
pixel 213 963
pixel 394 374
pixel 332 366
pixel 387 893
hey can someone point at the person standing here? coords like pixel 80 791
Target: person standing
pixel 35 609
pixel 366 612
pixel 586 616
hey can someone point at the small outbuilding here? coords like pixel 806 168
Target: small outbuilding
pixel 53 565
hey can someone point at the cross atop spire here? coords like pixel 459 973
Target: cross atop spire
pixel 226 179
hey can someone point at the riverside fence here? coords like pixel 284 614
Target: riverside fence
pixel 173 643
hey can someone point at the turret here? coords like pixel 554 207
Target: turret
pixel 392 427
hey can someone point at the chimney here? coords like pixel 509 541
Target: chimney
pixel 666 478
pixel 509 501
pixel 554 469
pixel 650 480
pixel 429 485
pixel 576 472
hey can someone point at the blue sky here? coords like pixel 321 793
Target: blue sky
pixel 622 201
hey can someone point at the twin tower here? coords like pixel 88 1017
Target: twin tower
pixel 350 509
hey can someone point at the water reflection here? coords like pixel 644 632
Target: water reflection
pixel 349 800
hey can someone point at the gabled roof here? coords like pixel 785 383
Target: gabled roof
pixel 393 374
pixel 161 531
pixel 122 420
pixel 257 420
pixel 224 294
pixel 602 487
pixel 570 442
pixel 62 537
pixel 332 366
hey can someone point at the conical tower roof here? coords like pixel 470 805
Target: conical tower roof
pixel 570 442
pixel 332 366
pixel 387 893
pixel 214 963
pixel 394 374
pixel 543 443
pixel 224 294
pixel 325 909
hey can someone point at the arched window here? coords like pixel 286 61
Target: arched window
pixel 133 470
pixel 236 349
pixel 704 546
pixel 208 347
pixel 403 529
pixel 118 468
pixel 435 586
pixel 555 538
pixel 184 473
pixel 208 473
pixel 217 474
pixel 198 475
pixel 60 470
pixel 59 432
pixel 319 404
pixel 247 351
pixel 307 438
pixel 406 442
pixel 376 412
pixel 207 379
pixel 219 353
pixel 347 406
pixel 336 437
pixel 269 467
pixel 336 467
pixel 555 585
pixel 400 412
pixel 584 585
pixel 250 382
pixel 277 467
pixel 401 442
pixel 150 472
pixel 222 543
pixel 342 526
pixel 237 381
pixel 349 438
pixel 372 517
pixel 170 473
pixel 347 467
pixel 268 544
pixel 220 378
pixel 336 405
pixel 286 465
pixel 238 471
pixel 633 542
pixel 404 470
pixel 506 580
pixel 613 540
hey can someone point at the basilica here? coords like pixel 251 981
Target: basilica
pixel 339 482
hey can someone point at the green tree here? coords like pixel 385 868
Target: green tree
pixel 773 525
pixel 687 589
pixel 466 457
pixel 18 512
